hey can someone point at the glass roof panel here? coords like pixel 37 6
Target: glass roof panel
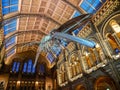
pixel 56 50
pixel 42 68
pixel 50 57
pixel 10 52
pixel 10 42
pixel 91 6
pixel 10 27
pixel 76 14
pixel 9 6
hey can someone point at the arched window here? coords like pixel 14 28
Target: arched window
pixel 25 67
pixel 15 67
pixel 28 67
pixel 56 50
pixel 50 57
pixel 33 69
pixel 42 68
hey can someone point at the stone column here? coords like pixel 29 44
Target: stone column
pixel 103 45
pixel 96 56
pixel 58 77
pixel 68 70
pixel 84 63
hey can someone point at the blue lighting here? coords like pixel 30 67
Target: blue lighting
pixel 56 50
pixel 76 14
pixel 14 66
pixel 17 67
pixel 42 68
pixel 29 66
pixel 64 43
pixel 91 6
pixel 117 50
pixel 25 67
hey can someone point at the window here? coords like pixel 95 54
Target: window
pixel 56 50
pixel 42 68
pixel 10 42
pixel 9 6
pixel 76 14
pixel 13 67
pixel 50 57
pixel 17 67
pixel 10 52
pixel 91 6
pixel 64 43
pixel 33 69
pixel 25 67
pixel 10 26
pixel 29 66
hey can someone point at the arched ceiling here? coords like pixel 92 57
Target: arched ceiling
pixel 26 22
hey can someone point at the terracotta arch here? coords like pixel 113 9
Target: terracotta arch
pixel 80 87
pixel 104 83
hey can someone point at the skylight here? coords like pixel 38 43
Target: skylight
pixel 9 6
pixel 91 6
pixel 10 27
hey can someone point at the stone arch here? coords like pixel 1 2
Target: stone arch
pixel 104 83
pixel 110 32
pixel 106 22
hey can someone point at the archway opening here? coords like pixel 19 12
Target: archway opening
pixel 80 87
pixel 104 83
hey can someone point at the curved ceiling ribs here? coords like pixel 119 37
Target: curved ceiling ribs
pixel 21 14
pixel 76 7
pixel 15 33
pixel 24 44
pixel 37 31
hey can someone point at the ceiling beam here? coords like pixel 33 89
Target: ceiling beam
pixel 21 14
pixel 23 31
pixel 23 44
pixel 75 7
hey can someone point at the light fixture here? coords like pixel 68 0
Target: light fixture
pixel 36 82
pixel 18 82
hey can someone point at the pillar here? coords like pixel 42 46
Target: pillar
pixel 84 63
